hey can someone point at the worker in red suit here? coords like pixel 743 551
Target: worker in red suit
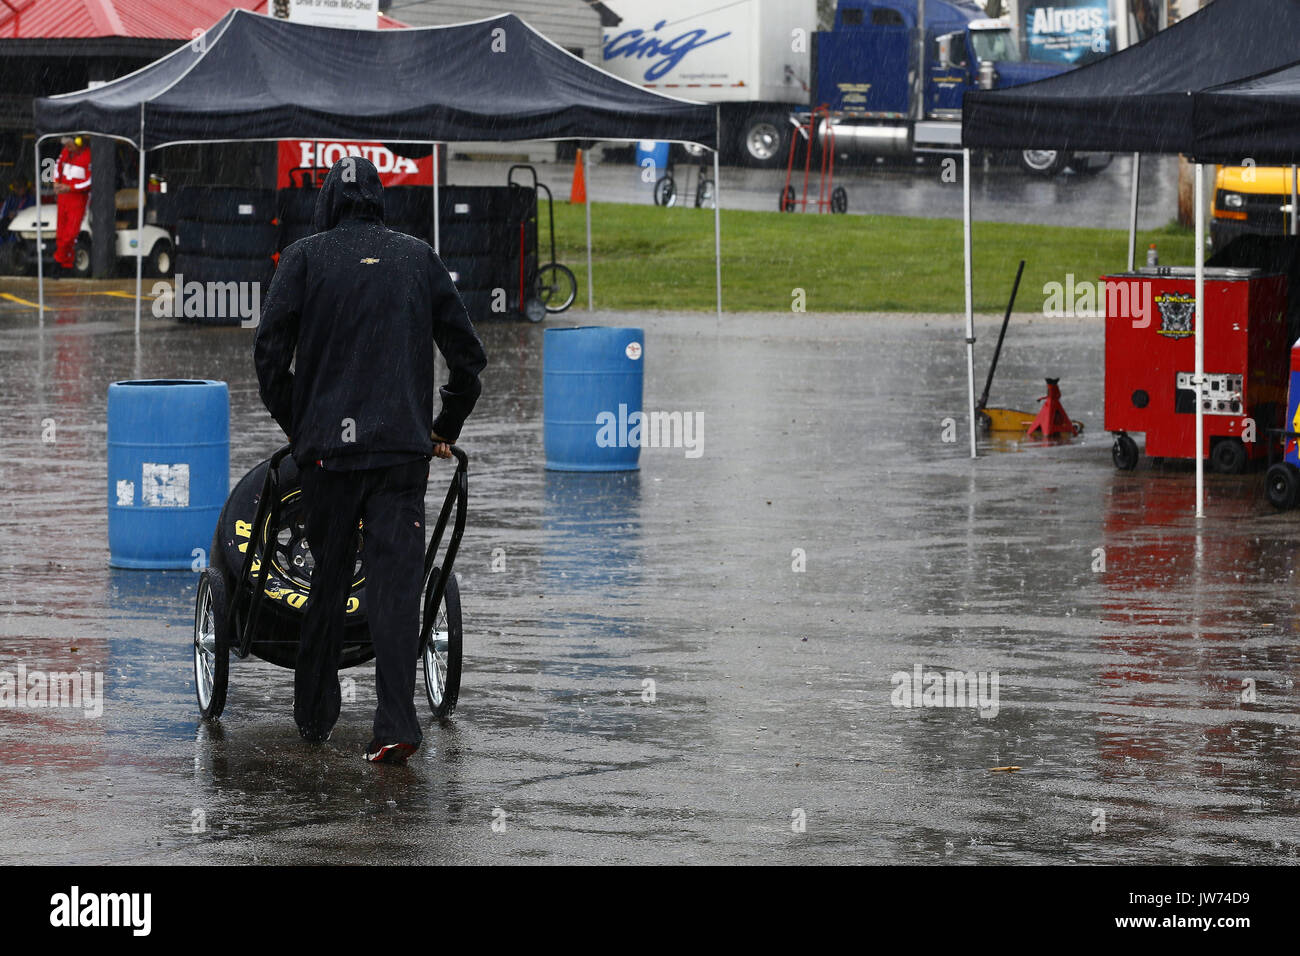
pixel 72 184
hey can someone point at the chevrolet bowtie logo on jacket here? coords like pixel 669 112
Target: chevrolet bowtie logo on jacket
pixel 370 262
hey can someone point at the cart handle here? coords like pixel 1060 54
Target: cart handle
pixel 435 587
pixel 268 507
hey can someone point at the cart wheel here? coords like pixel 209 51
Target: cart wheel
pixel 1228 456
pixel 211 644
pixel 557 286
pixel 442 656
pixel 665 191
pixel 1076 426
pixel 787 201
pixel 1124 453
pixel 704 194
pixel 1282 485
pixel 839 200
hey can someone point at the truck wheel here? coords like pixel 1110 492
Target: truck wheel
pixel 1282 485
pixel 1228 456
pixel 764 139
pixel 1044 162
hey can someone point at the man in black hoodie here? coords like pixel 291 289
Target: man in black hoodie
pixel 362 306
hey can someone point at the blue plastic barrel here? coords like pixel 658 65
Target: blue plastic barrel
pixel 168 470
pixel 591 398
pixel 649 151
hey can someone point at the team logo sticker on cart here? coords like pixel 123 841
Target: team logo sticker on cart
pixel 1177 314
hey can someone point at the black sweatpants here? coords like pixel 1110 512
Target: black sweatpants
pixel 390 504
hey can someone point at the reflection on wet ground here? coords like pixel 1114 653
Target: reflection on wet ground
pixel 647 677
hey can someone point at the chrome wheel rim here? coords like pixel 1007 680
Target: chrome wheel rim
pixel 1040 158
pixel 205 645
pixel 435 660
pixel 762 140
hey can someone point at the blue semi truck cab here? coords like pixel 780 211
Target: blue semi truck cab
pixel 864 70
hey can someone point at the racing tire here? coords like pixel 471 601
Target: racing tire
pixel 226 240
pixel 231 204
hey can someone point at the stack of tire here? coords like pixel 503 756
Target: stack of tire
pixel 226 234
pixel 409 209
pixel 479 237
pixel 294 211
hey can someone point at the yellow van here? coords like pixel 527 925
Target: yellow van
pixel 1250 199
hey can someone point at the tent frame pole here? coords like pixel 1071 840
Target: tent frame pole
pixel 139 231
pixel 970 301
pixel 1200 340
pixel 717 229
pixel 437 235
pixel 40 257
pixel 1294 231
pixel 1133 214
pixel 586 181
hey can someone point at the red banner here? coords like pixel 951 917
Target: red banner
pixel 321 154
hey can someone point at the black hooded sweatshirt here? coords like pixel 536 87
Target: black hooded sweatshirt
pixel 362 306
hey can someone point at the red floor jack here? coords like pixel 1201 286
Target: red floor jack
pixel 829 196
pixel 1051 419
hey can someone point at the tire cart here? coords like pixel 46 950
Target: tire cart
pixel 251 597
pixel 543 288
pixel 666 193
pixel 830 198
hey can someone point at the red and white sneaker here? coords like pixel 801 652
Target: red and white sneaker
pixel 389 753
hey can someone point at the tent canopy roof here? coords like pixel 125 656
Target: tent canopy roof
pixel 252 77
pixel 1256 118
pixel 1139 99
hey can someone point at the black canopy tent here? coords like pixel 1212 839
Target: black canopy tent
pixel 1147 98
pixel 253 77
pixel 1257 117
pixel 1138 99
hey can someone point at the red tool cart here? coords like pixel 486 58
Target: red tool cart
pixel 1151 362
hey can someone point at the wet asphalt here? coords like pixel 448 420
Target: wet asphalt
pixel 772 734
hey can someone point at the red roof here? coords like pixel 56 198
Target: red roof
pixel 155 19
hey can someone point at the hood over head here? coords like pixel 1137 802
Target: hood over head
pixel 352 190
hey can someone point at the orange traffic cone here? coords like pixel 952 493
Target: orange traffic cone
pixel 578 191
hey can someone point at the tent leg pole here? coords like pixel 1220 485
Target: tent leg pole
pixel 1200 339
pixel 1133 214
pixel 1294 232
pixel 139 241
pixel 437 237
pixel 40 258
pixel 586 179
pixel 717 229
pixel 970 302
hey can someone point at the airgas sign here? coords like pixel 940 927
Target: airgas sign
pixel 1069 31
